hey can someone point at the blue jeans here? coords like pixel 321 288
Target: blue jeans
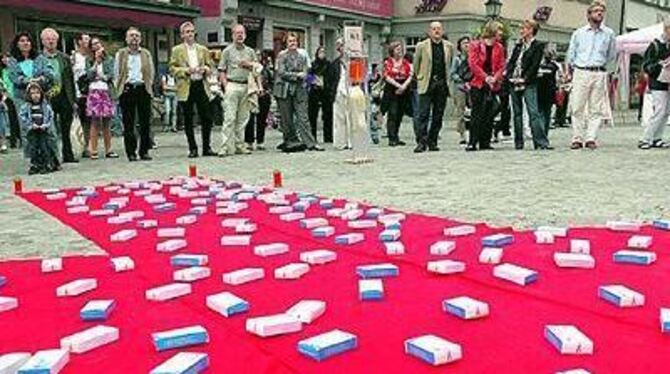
pixel 529 96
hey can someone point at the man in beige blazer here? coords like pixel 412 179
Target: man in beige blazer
pixel 432 61
pixel 190 64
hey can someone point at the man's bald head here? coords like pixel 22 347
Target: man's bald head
pixel 436 31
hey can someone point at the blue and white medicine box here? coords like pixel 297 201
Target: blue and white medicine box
pixel 621 296
pixel 97 310
pixel 178 338
pixel 389 235
pixel 183 363
pixel 568 340
pixel 323 231
pixel 328 344
pixel 663 224
pixel 374 212
pixel 466 307
pixel 433 349
pixel 634 257
pixel 165 207
pixel 392 225
pixel 370 289
pixel 46 362
pixel 301 206
pixel 189 260
pixel 351 238
pixel 497 240
pixel 515 274
pixel 326 203
pixel 227 304
pixel 377 271
pixel 665 320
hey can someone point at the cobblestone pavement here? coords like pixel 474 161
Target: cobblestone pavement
pixel 501 187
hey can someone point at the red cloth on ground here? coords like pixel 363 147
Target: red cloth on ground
pixel 510 340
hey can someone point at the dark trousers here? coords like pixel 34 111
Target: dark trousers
pixel 639 110
pixel 537 123
pixel 198 98
pixel 135 103
pixel 84 119
pixel 39 150
pixel 483 112
pixel 436 99
pixel 505 114
pixel 396 111
pixel 545 114
pixel 255 130
pixel 319 99
pixel 63 116
pixel 14 125
pixel 216 106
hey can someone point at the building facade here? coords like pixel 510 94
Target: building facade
pixel 465 17
pixel 317 22
pixel 157 19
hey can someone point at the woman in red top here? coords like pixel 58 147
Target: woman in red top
pixel 486 59
pixel 397 100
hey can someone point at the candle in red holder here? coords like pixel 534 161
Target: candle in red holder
pixel 277 179
pixel 192 170
pixel 18 185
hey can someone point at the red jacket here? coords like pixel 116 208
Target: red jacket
pixel 476 59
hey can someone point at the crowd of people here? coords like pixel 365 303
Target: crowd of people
pixel 43 90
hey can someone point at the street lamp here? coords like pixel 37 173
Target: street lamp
pixel 493 8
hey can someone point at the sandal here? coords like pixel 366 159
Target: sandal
pixel 658 143
pixel 94 155
pixel 111 155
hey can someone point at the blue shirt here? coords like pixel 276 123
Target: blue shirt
pixel 591 47
pixel 134 68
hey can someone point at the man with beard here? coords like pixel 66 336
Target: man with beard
pixel 592 47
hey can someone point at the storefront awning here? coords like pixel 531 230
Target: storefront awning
pixel 112 13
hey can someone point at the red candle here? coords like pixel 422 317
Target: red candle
pixel 192 170
pixel 18 185
pixel 277 178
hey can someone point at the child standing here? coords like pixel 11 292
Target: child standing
pixel 37 122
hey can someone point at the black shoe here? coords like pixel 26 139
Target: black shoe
pixel 146 158
pixel 486 148
pixel 281 146
pixel 209 153
pixel 193 154
pixel 400 143
pixel 70 161
pixel 316 148
pixel 462 142
pixel 433 148
pixel 132 158
pixel 33 170
pixel 518 147
pixel 420 148
pixel 85 154
pixel 470 148
pixel 547 148
pixel 392 143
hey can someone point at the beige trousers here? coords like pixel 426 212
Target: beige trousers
pixel 342 126
pixel 590 104
pixel 459 109
pixel 236 115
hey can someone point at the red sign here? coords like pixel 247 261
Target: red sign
pixel 383 8
pixel 209 8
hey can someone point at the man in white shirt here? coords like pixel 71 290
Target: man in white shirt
pixel 592 47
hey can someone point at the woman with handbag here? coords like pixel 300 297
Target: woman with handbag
pixel 397 94
pixel 99 104
pixel 547 87
pixel 486 59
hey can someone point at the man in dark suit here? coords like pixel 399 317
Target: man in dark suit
pixel 522 70
pixel 60 91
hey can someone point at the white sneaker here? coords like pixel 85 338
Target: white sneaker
pixel 3 148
